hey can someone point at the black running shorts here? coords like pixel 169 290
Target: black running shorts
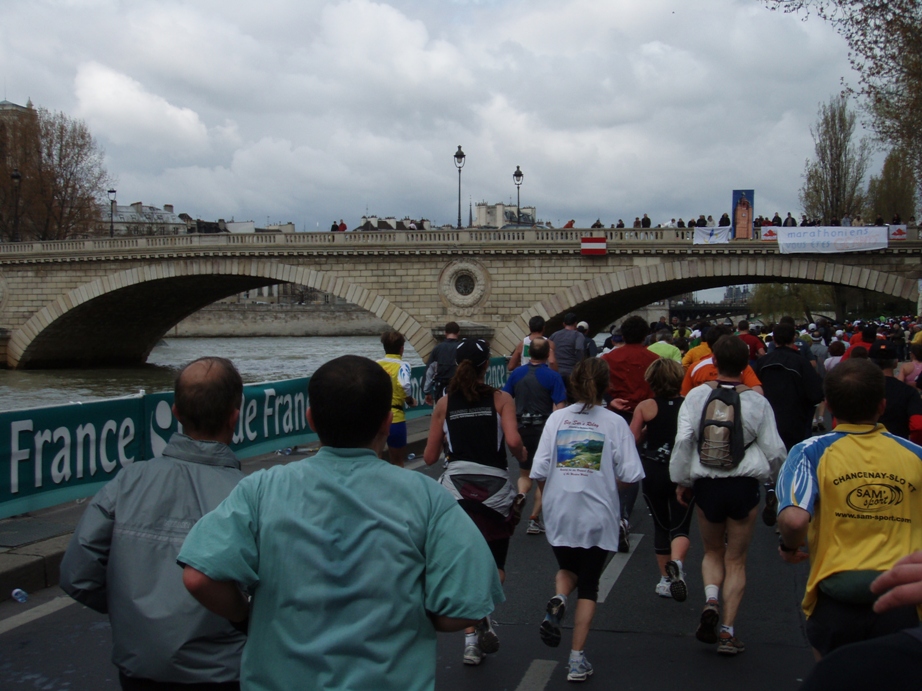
pixel 727 497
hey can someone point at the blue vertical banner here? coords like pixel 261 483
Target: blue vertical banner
pixel 742 215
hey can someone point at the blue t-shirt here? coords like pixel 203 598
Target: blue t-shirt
pixel 345 555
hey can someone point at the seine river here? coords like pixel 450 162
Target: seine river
pixel 258 359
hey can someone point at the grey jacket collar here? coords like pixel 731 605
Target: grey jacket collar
pixel 205 452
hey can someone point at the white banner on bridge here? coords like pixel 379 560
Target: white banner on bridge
pixel 831 239
pixel 712 236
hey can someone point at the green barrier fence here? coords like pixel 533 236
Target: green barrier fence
pixel 57 454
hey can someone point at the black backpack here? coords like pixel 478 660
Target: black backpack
pixel 720 434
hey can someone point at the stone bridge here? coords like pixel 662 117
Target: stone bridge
pixel 108 301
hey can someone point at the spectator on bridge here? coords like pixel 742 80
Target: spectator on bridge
pixel 680 223
pixel 353 564
pixel 597 224
pixel 826 488
pixel 569 224
pixel 789 221
pixel 399 372
pixel 727 498
pixel 620 224
pixel 702 221
pixel 637 222
pixel 335 227
pixel 645 221
pixel 724 220
pixel 342 226
pixel 776 219
pixel 122 557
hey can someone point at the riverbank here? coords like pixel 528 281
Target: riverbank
pixel 234 320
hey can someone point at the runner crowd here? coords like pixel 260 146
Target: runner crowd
pixel 337 571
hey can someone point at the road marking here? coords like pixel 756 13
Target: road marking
pixel 615 567
pixel 537 676
pixel 35 613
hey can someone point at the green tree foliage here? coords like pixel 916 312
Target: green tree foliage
pixel 894 191
pixel 885 49
pixel 771 301
pixel 834 179
pixel 62 177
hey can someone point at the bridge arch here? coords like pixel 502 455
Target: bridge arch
pixel 641 285
pixel 119 318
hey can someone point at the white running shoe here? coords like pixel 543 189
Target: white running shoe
pixel 662 588
pixel 472 655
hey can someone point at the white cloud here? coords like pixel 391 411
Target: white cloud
pixel 312 110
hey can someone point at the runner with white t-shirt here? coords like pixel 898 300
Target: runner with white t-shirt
pixel 585 452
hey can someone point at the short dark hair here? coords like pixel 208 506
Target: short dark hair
pixel 539 349
pixel 836 348
pixel 205 404
pixel 869 333
pixel 715 333
pixel 349 398
pixel 393 342
pixel 452 328
pixel 536 323
pixel 783 334
pixel 743 325
pixel 634 329
pixel 854 390
pixel 731 355
pixel 570 318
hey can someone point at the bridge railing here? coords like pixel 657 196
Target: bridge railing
pixel 395 238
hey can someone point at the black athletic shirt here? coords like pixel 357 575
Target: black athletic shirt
pixel 661 430
pixel 474 433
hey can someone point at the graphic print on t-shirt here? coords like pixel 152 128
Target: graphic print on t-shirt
pixel 579 448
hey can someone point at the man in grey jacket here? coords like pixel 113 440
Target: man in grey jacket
pixel 122 557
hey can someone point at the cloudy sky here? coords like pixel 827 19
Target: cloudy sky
pixel 313 110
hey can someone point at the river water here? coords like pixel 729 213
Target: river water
pixel 258 359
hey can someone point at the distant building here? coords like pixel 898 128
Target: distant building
pixel 140 219
pixel 499 215
pixel 391 223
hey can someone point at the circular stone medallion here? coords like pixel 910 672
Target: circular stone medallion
pixel 464 283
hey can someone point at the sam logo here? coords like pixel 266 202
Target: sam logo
pixel 872 498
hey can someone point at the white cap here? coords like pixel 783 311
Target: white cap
pixel 581 326
pixel 812 327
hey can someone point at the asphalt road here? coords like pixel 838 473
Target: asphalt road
pixel 638 640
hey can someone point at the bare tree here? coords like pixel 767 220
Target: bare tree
pixel 885 49
pixel 834 180
pixel 62 175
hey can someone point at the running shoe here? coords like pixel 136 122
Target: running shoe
pixel 550 627
pixel 729 645
pixel 662 588
pixel 770 512
pixel 580 670
pixel 487 640
pixel 472 655
pixel 710 617
pixel 535 527
pixel 517 505
pixel 677 586
pixel 624 538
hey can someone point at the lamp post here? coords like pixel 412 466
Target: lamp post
pixel 459 164
pixel 517 178
pixel 16 178
pixel 111 213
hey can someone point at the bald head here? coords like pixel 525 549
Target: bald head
pixel 206 399
pixel 539 349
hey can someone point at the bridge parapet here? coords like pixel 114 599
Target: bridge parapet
pixel 557 240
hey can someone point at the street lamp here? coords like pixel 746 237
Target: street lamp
pixel 517 178
pixel 111 194
pixel 16 177
pixel 459 164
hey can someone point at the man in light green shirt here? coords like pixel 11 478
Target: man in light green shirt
pixel 353 564
pixel 664 348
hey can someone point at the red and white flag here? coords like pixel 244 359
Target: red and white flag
pixel 588 245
